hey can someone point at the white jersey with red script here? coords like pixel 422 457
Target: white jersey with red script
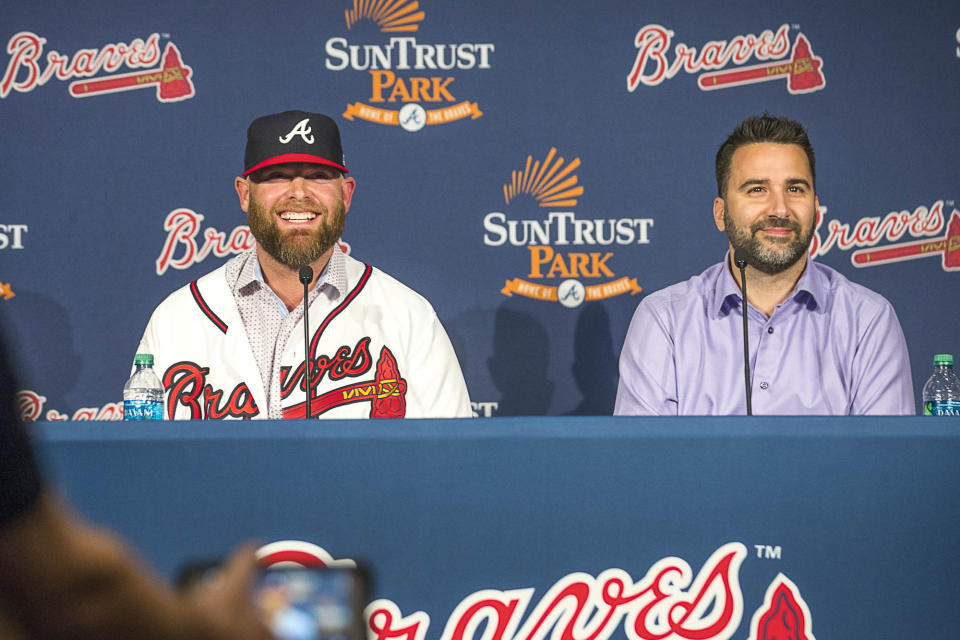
pixel 378 352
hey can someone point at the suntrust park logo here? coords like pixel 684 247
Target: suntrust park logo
pixel 411 81
pixel 724 61
pixel 31 66
pixel 556 274
pixel 669 602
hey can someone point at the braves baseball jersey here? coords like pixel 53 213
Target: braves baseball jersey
pixel 379 351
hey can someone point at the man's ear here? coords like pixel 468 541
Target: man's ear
pixel 243 191
pixel 718 209
pixel 347 187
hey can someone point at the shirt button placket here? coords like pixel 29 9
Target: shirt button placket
pixel 766 351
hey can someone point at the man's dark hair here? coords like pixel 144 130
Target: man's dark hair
pixel 765 128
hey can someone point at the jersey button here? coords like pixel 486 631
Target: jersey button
pixel 764 385
pixel 769 329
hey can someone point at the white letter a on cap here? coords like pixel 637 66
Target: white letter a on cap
pixel 302 129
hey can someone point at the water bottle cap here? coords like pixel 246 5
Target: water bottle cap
pixel 943 358
pixel 147 359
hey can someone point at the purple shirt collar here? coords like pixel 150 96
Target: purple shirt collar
pixel 810 291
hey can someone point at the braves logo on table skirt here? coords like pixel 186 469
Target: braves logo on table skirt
pixel 670 602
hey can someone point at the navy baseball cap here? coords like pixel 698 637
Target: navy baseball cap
pixel 292 136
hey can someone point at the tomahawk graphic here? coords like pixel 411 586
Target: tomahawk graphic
pixel 386 394
pixel 172 80
pixel 802 71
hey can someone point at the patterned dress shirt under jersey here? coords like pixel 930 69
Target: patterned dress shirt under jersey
pixel 832 347
pixel 266 320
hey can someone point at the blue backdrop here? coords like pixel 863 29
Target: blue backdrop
pixel 500 149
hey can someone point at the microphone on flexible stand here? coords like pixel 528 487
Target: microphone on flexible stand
pixel 306 277
pixel 740 259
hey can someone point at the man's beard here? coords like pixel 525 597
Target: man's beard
pixel 297 247
pixel 768 258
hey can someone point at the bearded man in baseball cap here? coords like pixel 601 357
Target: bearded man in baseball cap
pixel 231 344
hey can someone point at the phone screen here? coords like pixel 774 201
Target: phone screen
pixel 313 604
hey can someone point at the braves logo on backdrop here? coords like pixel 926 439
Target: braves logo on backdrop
pixel 411 81
pixel 670 602
pixel 725 61
pixel 556 274
pixel 187 243
pixel 876 240
pixel 31 66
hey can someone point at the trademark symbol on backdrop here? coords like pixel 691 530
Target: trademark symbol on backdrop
pixel 768 552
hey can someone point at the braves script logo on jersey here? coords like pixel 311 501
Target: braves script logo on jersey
pixel 388 64
pixel 186 384
pixel 552 183
pixel 938 237
pixel 653 65
pixel 25 71
pixel 386 392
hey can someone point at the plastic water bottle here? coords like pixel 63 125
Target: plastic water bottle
pixel 143 393
pixel 941 393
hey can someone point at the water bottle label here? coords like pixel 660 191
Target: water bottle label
pixel 142 410
pixel 941 408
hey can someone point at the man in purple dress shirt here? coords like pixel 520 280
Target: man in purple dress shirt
pixel 819 344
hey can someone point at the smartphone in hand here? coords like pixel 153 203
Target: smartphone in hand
pixel 314 604
pixel 297 603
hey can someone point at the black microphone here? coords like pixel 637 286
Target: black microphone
pixel 306 277
pixel 740 259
